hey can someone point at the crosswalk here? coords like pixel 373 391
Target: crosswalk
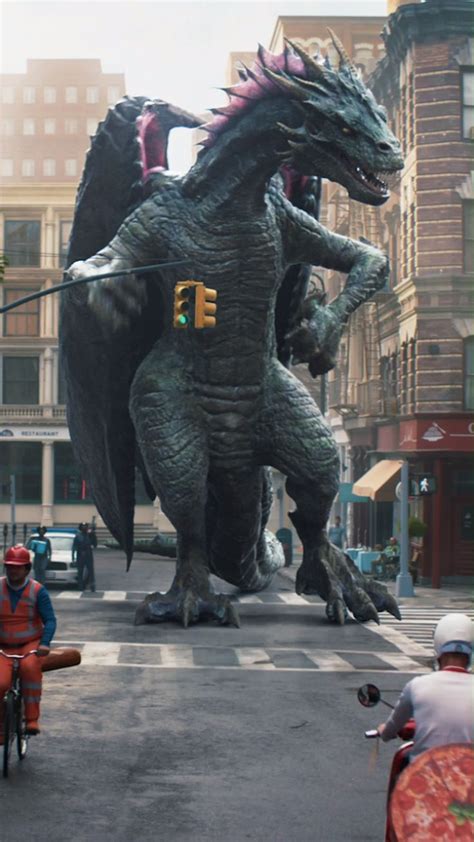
pixel 416 628
pixel 271 598
pixel 281 659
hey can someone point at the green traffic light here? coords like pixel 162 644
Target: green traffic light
pixel 183 320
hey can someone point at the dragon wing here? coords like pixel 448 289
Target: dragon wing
pixel 99 364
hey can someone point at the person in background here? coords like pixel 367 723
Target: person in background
pixel 440 702
pixel 337 533
pixel 82 553
pixel 40 545
pixel 27 622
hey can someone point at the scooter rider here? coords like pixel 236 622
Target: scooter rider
pixel 441 702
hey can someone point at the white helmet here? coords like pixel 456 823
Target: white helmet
pixel 454 633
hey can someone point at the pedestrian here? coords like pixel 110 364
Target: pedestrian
pixel 27 623
pixel 440 702
pixel 41 547
pixel 82 552
pixel 337 534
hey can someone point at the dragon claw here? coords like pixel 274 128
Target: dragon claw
pixel 187 607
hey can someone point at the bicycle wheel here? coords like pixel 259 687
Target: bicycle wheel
pixel 21 735
pixel 8 730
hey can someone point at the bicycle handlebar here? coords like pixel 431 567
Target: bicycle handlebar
pixel 20 657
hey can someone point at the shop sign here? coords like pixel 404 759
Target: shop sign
pixel 452 434
pixel 34 433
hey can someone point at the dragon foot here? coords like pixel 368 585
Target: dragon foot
pixel 333 576
pixel 186 606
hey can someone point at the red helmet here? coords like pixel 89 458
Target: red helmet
pixel 17 555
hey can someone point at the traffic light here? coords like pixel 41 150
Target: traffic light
pixel 205 307
pixel 181 305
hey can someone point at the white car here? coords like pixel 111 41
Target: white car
pixel 61 568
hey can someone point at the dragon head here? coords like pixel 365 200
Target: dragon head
pixel 336 129
pixel 343 133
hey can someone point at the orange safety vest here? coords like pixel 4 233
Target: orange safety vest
pixel 25 623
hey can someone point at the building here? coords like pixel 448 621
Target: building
pixel 47 117
pixel 404 384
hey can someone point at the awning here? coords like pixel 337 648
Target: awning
pixel 380 482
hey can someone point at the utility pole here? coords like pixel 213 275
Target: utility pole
pixel 13 506
pixel 404 581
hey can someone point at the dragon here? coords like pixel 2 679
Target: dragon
pixel 204 413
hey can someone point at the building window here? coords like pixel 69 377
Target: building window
pixel 71 93
pixel 6 166
pixel 8 95
pixel 70 166
pixel 24 320
pixel 468 238
pixel 92 95
pixel 69 484
pixel 92 123
pixel 113 94
pixel 467 77
pixel 29 95
pixel 49 94
pixel 28 126
pixel 64 234
pixel 469 373
pixel 71 125
pixel 22 242
pixel 50 125
pixel 20 380
pixel 49 166
pixel 7 127
pixel 28 167
pixel 23 461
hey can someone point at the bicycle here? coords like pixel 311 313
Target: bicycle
pixel 14 722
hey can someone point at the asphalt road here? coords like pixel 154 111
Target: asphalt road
pixel 206 734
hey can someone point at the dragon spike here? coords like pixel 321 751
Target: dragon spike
pixel 255 78
pixel 289 132
pixel 242 73
pixel 344 59
pixel 314 69
pixel 285 83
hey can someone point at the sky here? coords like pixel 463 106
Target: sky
pixel 177 51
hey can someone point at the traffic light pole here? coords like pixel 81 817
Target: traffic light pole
pixel 404 581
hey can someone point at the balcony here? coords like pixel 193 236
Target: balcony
pixel 29 414
pixel 368 397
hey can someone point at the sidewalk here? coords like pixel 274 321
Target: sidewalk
pixel 454 597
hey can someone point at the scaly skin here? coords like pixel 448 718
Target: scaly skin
pixel 211 408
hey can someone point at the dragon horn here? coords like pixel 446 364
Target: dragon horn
pixel 314 69
pixel 285 83
pixel 344 59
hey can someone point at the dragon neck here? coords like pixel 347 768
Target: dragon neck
pixel 244 156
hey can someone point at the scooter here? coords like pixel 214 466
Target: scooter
pixel 369 695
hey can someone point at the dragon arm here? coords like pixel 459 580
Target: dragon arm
pixel 136 243
pixel 316 340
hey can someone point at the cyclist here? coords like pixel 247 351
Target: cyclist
pixel 441 702
pixel 27 622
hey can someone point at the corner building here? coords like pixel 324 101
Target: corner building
pixel 48 115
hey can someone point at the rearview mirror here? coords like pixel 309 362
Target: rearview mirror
pixel 368 695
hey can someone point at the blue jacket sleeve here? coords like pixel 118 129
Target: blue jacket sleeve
pixel 46 612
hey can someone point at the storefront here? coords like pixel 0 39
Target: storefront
pixel 442 448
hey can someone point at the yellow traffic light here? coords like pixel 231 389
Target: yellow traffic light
pixel 181 305
pixel 205 307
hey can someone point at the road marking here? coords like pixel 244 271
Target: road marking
pixel 115 596
pixel 293 598
pixel 100 654
pixel 180 656
pixel 66 594
pixel 328 661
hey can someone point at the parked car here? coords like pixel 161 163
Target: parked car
pixel 61 568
